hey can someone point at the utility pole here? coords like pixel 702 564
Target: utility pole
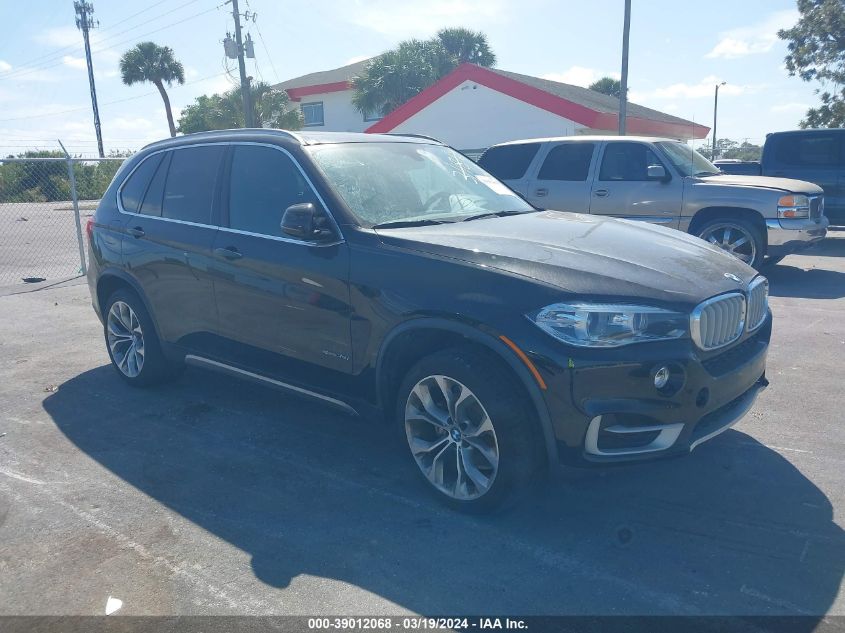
pixel 249 118
pixel 715 112
pixel 84 21
pixel 623 93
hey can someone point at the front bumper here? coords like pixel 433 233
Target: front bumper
pixel 607 409
pixel 788 236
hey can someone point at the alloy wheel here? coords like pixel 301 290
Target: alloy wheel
pixel 734 239
pixel 451 437
pixel 125 339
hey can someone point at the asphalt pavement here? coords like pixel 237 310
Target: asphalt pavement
pixel 212 496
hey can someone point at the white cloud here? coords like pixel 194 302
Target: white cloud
pixel 579 76
pixel 422 18
pixel 704 88
pixel 5 66
pixel 74 62
pixel 790 107
pixel 755 39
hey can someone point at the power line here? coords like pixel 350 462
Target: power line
pixel 50 60
pixel 263 45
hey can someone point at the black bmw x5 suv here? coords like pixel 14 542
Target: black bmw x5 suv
pixel 390 275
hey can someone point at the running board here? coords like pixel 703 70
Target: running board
pixel 207 363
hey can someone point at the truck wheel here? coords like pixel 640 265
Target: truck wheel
pixel 471 433
pixel 737 236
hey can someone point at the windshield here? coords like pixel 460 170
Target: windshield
pixel 686 160
pixel 406 182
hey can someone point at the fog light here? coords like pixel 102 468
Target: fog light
pixel 661 377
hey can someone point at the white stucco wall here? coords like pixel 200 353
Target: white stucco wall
pixel 472 116
pixel 339 115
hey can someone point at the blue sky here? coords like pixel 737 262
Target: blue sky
pixel 679 51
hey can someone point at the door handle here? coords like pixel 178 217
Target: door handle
pixel 601 193
pixel 541 192
pixel 136 231
pixel 230 252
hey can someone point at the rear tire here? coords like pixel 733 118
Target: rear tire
pixel 131 341
pixel 471 433
pixel 738 236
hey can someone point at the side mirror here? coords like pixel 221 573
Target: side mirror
pixel 303 222
pixel 657 172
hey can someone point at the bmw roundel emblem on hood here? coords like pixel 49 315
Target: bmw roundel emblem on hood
pixel 733 277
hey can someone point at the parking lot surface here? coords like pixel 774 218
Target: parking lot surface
pixel 211 496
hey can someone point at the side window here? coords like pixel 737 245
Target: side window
pixel 155 192
pixel 509 162
pixel 264 183
pixel 189 187
pixel 815 150
pixel 133 190
pixel 569 161
pixel 627 161
pixel 312 113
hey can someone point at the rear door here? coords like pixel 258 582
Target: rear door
pixel 170 232
pixel 510 164
pixel 274 293
pixel 563 179
pixel 623 189
pixel 815 157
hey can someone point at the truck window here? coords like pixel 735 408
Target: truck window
pixel 509 162
pixel 627 161
pixel 807 150
pixel 569 161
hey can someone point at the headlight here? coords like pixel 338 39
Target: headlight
pixel 793 206
pixel 609 325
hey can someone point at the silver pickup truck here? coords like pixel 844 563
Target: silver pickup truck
pixel 666 182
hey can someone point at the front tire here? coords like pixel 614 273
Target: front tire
pixel 737 236
pixel 470 431
pixel 131 341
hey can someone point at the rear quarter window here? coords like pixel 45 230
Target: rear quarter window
pixel 509 162
pixel 133 190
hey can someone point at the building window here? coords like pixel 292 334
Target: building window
pixel 372 116
pixel 312 113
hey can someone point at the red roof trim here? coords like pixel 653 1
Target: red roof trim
pixel 296 94
pixel 531 95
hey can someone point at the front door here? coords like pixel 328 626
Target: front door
pixel 275 293
pixel 622 187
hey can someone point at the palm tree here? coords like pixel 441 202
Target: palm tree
pixel 403 72
pixel 464 45
pixel 148 61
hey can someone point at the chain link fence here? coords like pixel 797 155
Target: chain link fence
pixel 45 200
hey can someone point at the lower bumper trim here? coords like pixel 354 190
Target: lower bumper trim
pixel 724 418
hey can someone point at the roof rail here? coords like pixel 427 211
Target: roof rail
pixel 214 133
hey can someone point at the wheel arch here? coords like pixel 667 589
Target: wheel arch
pixel 110 281
pixel 706 214
pixel 409 341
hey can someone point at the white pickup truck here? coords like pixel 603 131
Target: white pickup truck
pixel 666 182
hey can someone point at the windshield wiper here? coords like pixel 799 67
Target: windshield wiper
pixel 398 224
pixel 707 173
pixel 493 214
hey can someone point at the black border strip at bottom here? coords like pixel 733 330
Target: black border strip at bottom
pixel 282 624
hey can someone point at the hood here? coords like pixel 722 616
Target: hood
pixel 585 255
pixel 788 185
